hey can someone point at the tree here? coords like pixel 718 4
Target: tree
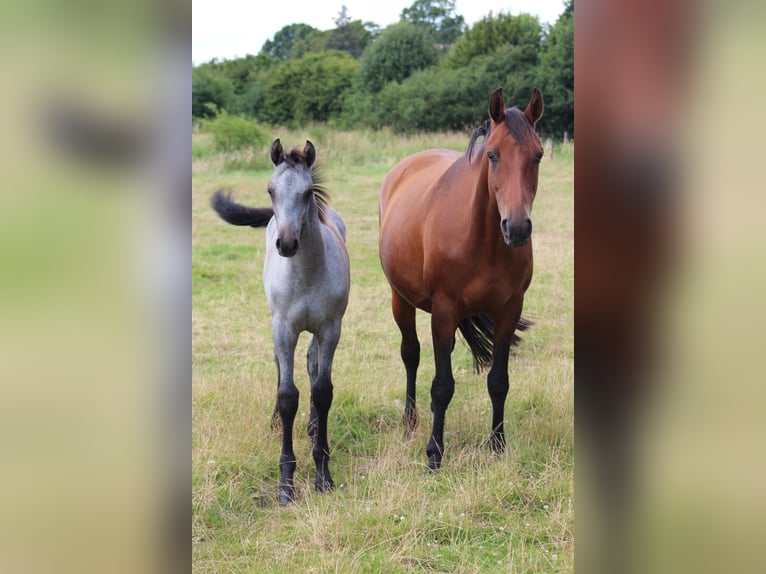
pixel 311 88
pixel 351 37
pixel 211 90
pixel 284 41
pixel 437 17
pixel 556 75
pixel 491 32
pixel 400 50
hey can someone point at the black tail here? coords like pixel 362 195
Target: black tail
pixel 236 214
pixel 479 332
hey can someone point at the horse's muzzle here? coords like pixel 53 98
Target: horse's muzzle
pixel 516 235
pixel 287 248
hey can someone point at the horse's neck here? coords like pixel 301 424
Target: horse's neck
pixel 312 250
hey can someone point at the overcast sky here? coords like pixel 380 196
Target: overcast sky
pixel 227 29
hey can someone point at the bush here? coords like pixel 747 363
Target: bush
pixel 233 133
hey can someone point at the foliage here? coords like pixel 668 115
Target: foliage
pixel 556 75
pixel 305 74
pixel 400 50
pixel 210 90
pixel 352 37
pixel 282 45
pixel 309 89
pixel 234 133
pixel 491 32
pixel 437 17
pixel 312 42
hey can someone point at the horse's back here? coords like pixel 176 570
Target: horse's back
pixel 414 175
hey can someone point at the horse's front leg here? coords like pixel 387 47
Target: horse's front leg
pixel 497 378
pixel 285 339
pixel 443 325
pixel 321 395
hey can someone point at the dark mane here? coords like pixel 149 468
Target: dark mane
pixel 517 124
pixel 296 158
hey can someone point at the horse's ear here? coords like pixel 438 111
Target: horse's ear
pixel 310 153
pixel 534 109
pixel 277 153
pixel 497 106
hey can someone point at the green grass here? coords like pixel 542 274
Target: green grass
pixel 482 512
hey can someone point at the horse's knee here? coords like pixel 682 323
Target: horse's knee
pixel 321 392
pixel 287 400
pixel 410 351
pixel 442 391
pixel 497 386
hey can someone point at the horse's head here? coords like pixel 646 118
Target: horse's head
pixel 292 194
pixel 514 152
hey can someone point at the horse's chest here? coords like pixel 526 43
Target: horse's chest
pixel 307 304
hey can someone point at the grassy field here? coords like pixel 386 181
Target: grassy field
pixel 482 512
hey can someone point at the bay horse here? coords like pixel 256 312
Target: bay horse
pixel 306 277
pixel 455 241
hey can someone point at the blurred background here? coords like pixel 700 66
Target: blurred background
pixel 95 286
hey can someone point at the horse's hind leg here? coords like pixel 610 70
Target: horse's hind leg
pixel 404 315
pixel 326 340
pixel 312 362
pixel 285 340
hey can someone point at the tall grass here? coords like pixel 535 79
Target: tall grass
pixel 482 513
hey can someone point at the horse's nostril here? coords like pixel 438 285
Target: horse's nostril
pixel 529 227
pixel 295 245
pixel 279 243
pixel 504 226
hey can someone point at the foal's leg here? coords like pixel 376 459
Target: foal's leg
pixel 321 392
pixel 404 315
pixel 497 379
pixel 312 363
pixel 443 325
pixel 285 339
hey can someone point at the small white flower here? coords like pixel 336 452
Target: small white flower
pixel 367 509
pixel 441 514
pixel 545 507
pixel 502 529
pixel 211 461
pixel 555 556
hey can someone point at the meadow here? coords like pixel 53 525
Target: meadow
pixel 482 512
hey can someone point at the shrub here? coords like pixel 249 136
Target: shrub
pixel 233 133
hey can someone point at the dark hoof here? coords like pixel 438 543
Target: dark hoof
pixel 286 495
pixel 434 464
pixel 497 443
pixel 324 484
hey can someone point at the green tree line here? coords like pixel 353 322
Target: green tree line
pixel 427 72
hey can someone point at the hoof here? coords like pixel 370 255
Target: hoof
pixel 434 464
pixel 324 484
pixel 497 443
pixel 286 495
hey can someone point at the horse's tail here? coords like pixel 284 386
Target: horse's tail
pixel 479 332
pixel 236 214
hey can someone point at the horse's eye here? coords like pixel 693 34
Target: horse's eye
pixel 307 194
pixel 492 155
pixel 538 157
pixel 271 191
